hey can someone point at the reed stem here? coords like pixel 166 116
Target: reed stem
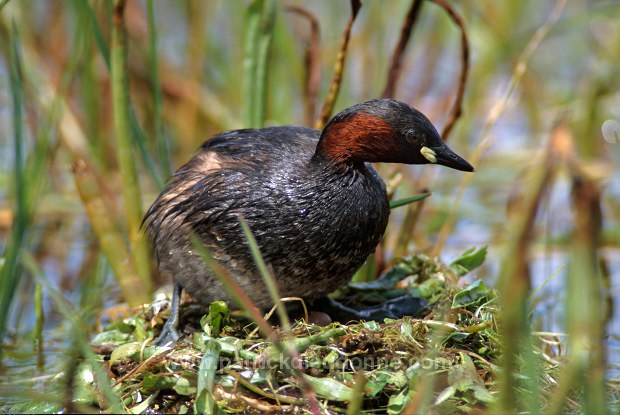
pixel 130 187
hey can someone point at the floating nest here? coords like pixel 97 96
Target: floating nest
pixel 443 361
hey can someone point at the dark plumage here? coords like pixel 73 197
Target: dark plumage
pixel 315 205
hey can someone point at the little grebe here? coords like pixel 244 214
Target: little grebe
pixel 313 201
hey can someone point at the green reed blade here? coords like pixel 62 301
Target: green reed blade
pixel 235 291
pixel 87 8
pixel 160 138
pixel 408 200
pixel 260 19
pixel 39 313
pixel 137 136
pixel 514 285
pixel 10 270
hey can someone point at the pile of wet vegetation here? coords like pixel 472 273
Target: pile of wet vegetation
pixel 445 359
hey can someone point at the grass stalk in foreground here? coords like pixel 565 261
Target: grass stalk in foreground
pixel 235 291
pixel 587 323
pixel 10 269
pixel 587 310
pixel 130 187
pixel 514 285
pixel 268 278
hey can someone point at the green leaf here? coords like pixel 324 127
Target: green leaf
pixel 472 294
pixel 186 385
pixel 134 326
pixel 217 318
pixel 464 379
pixel 398 379
pixel 146 404
pixel 431 290
pixel 205 402
pixel 34 407
pixel 483 395
pixel 124 351
pixel 84 390
pixel 372 325
pixel 329 388
pixel 457 336
pixel 397 403
pixel 445 394
pixel 377 383
pixel 153 382
pixel 469 260
pixel 114 337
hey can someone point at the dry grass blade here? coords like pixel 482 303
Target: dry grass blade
pixel 112 242
pixel 457 108
pixel 586 282
pixel 397 56
pixel 591 326
pixel 334 88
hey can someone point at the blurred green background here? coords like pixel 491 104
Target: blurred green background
pixel 542 95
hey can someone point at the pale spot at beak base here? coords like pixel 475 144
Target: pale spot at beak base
pixel 429 154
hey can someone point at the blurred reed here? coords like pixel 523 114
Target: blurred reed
pixel 260 20
pixel 78 98
pixel 130 188
pixel 11 270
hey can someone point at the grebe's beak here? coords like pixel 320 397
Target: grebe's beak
pixel 443 155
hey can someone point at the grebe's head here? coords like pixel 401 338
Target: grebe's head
pixel 385 130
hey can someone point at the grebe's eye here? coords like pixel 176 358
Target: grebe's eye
pixel 412 135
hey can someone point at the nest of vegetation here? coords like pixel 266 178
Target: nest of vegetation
pixel 445 359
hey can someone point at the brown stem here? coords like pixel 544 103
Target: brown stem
pixel 334 88
pixel 457 108
pixel 312 61
pixel 397 56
